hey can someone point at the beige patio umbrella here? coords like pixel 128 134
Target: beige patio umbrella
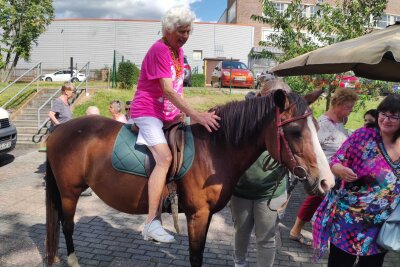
pixel 374 56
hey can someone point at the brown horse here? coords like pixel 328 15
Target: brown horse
pixel 79 155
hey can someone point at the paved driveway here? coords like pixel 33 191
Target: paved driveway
pixel 105 237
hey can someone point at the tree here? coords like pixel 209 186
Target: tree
pixel 21 23
pixel 296 34
pixel 127 74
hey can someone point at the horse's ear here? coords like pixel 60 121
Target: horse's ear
pixel 313 96
pixel 280 99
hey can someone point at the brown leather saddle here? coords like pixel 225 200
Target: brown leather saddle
pixel 174 134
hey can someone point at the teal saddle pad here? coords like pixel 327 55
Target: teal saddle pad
pixel 129 157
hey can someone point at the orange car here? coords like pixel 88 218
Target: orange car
pixel 238 71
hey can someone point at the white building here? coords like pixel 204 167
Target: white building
pixel 95 40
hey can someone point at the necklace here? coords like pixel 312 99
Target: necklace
pixel 176 60
pixel 395 166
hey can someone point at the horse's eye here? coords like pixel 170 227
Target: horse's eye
pixel 293 130
pixel 296 134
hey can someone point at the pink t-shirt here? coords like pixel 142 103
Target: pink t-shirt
pixel 148 99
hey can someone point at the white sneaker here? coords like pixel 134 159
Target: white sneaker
pixel 155 231
pixel 240 265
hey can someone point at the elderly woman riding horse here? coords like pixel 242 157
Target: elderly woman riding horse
pixel 158 100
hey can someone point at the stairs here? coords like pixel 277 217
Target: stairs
pixel 26 118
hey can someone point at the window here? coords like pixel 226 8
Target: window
pixel 197 54
pixel 232 12
pixel 279 7
pixel 303 9
pixel 383 21
pixel 218 50
pixel 313 10
pixel 233 65
pixel 266 34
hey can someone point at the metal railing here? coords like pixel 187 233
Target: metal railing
pixel 39 74
pixel 79 90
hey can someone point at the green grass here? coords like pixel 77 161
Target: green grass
pixel 203 99
pixel 199 98
pixel 12 91
pixel 15 88
pixel 102 98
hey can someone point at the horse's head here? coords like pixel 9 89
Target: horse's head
pixel 294 142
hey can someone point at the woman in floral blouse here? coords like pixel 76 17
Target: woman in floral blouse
pixel 368 165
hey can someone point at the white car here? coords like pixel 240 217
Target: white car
pixel 8 132
pixel 64 76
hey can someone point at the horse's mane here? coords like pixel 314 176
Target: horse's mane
pixel 241 121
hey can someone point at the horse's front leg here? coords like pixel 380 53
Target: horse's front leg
pixel 198 224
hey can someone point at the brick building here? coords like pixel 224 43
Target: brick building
pixel 240 11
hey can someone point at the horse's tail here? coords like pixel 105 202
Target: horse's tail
pixel 53 215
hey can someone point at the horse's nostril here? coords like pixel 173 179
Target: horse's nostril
pixel 324 186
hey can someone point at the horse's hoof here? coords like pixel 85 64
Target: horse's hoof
pixel 73 260
pixel 47 262
pixel 56 260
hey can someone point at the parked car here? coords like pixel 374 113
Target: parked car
pixel 349 81
pixel 64 76
pixel 241 75
pixel 8 132
pixel 187 80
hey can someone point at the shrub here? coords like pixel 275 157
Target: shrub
pixel 127 75
pixel 300 84
pixel 198 80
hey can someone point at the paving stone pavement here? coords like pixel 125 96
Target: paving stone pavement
pixel 106 237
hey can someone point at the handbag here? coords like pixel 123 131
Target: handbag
pixel 389 235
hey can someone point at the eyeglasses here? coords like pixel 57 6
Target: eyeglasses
pixel 392 118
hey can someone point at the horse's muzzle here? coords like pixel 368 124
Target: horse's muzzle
pixel 317 188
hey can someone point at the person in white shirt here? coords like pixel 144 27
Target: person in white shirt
pixel 115 110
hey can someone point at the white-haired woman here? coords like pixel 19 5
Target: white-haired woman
pixel 158 99
pixel 115 109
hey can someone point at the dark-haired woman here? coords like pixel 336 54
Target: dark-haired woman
pixel 370 118
pixel 368 165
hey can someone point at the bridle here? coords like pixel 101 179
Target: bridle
pixel 280 135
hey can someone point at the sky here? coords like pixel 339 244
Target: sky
pixel 205 10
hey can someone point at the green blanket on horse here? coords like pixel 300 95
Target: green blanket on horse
pixel 129 157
